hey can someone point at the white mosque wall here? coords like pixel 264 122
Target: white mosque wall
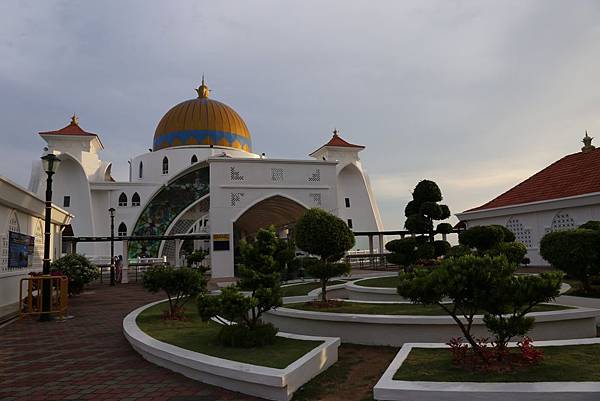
pixel 179 159
pixel 532 221
pixel 238 184
pixel 23 212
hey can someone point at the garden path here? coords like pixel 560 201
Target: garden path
pixel 88 358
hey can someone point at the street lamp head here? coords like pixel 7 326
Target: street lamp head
pixel 50 163
pixel 112 212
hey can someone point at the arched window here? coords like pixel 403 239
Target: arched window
pixel 122 231
pixel 194 159
pixel 141 170
pixel 135 199
pixel 522 233
pixel 122 199
pixel 165 165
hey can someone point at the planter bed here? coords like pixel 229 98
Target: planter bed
pixel 273 372
pixel 395 330
pixel 570 370
pixel 367 289
pixel 299 289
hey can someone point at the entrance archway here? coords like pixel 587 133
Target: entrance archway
pixel 277 210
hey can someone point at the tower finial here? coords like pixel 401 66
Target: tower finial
pixel 335 132
pixel 203 90
pixel 587 143
pixel 75 119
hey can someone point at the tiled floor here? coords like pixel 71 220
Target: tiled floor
pixel 87 357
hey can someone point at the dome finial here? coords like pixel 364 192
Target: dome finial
pixel 587 143
pixel 203 90
pixel 335 132
pixel 75 119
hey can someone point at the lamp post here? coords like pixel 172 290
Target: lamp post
pixel 50 164
pixel 112 245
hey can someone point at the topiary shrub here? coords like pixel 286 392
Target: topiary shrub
pixel 514 251
pixel 327 236
pixel 260 275
pixel 178 283
pixel 406 251
pixel 457 251
pixel 591 225
pixel 507 235
pixel 444 228
pixel 575 252
pixel 441 248
pixel 424 209
pixel 78 269
pixel 482 238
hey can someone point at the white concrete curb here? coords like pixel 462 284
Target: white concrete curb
pixel 388 389
pixel 260 381
pixel 396 330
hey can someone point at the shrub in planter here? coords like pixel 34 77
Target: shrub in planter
pixel 575 252
pixel 406 251
pixel 260 275
pixel 482 283
pixel 178 283
pixel 482 238
pixel 458 251
pixel 320 233
pixel 79 270
pixel 514 251
pixel 441 248
pixel 424 209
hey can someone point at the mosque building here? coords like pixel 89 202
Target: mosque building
pixel 563 196
pixel 201 176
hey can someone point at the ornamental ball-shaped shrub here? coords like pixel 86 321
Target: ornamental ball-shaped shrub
pixel 444 228
pixel 79 270
pixel 508 236
pixel 406 251
pixel 591 225
pixel 441 247
pixel 514 251
pixel 482 238
pixel 418 224
pixel 427 191
pixel 323 234
pixel 457 251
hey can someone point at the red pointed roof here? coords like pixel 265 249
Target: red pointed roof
pixel 72 129
pixel 575 174
pixel 337 141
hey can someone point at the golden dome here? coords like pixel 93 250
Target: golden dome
pixel 202 121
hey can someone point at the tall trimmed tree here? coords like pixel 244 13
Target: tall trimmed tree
pixel 424 209
pixel 328 237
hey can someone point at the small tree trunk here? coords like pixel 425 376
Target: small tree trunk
pixel 323 291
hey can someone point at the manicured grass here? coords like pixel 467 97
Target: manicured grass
pixel 395 309
pixel 382 282
pixel 198 336
pixel 295 290
pixel 561 363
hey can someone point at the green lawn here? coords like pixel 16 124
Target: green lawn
pixel 395 309
pixel 295 290
pixel 382 282
pixel 562 363
pixel 198 336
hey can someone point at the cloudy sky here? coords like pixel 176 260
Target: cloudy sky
pixel 476 95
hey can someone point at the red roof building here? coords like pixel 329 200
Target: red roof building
pixel 562 196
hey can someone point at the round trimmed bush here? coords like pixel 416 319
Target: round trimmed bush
pixel 78 269
pixel 482 238
pixel 444 228
pixel 441 247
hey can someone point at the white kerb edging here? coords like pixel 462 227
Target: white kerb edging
pixel 270 383
pixel 388 389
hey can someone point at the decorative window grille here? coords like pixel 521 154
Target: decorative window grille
pixel 13 224
pixel 194 159
pixel 135 199
pixel 122 199
pixel 235 175
pixel 236 198
pixel 562 221
pixel 277 174
pixel 316 199
pixel 316 176
pixel 165 165
pixel 523 234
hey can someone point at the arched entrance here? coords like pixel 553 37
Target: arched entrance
pixel 277 210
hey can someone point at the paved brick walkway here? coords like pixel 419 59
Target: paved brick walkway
pixel 87 358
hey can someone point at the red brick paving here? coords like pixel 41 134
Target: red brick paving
pixel 87 358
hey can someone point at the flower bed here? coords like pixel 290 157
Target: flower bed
pixel 570 370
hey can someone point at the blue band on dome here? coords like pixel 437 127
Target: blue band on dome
pixel 201 137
